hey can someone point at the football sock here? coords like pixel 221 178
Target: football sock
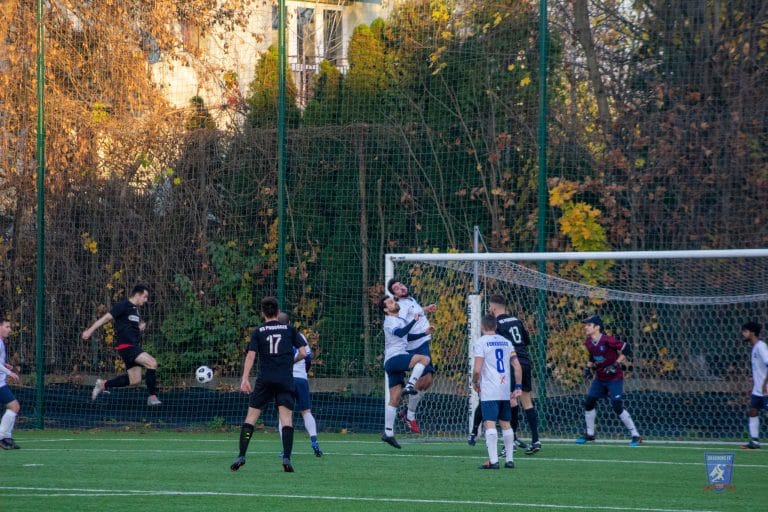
pixel 416 372
pixel 515 421
pixel 754 427
pixel 590 416
pixel 287 442
pixel 6 424
pixel 413 404
pixel 477 420
pixel 508 436
pixel 310 425
pixel 533 423
pixel 246 431
pixel 313 439
pixel 151 380
pixel 389 420
pixel 627 419
pixel 491 438
pixel 120 381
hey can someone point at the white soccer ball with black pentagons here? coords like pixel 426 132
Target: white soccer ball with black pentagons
pixel 204 375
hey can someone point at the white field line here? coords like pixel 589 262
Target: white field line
pixel 40 492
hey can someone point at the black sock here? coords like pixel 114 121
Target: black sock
pixel 515 421
pixel 246 431
pixel 151 380
pixel 120 381
pixel 533 423
pixel 477 420
pixel 287 442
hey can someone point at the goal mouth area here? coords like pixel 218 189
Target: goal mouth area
pixel 681 312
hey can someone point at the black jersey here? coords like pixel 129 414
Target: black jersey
pixel 513 329
pixel 126 318
pixel 274 343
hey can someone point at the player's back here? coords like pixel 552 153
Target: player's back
pixel 495 375
pixel 274 343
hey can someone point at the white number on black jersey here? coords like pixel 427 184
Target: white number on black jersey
pixel 274 342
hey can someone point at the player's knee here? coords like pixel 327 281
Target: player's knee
pixel 589 403
pixel 618 406
pixel 14 407
pixel 424 360
pixel 752 412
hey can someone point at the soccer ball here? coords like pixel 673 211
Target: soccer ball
pixel 204 374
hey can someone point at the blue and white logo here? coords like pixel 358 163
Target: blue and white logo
pixel 719 471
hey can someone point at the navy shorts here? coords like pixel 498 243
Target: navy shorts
pixel 758 402
pixel 494 410
pixel 302 394
pixel 395 367
pixel 6 395
pixel 282 392
pixel 423 350
pixel 129 355
pixel 611 389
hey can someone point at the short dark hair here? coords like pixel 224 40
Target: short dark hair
pixel 498 299
pixel 488 323
pixel 139 288
pixel 382 303
pixel 269 307
pixel 391 282
pixel 753 327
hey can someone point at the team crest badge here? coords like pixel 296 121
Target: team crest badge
pixel 719 471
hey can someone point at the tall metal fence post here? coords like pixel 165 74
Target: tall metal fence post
pixel 40 309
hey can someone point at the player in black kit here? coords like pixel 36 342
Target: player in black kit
pixel 274 342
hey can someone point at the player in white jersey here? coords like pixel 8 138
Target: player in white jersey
pixel 759 400
pixel 409 310
pixel 7 399
pixel 491 378
pixel 301 381
pixel 397 333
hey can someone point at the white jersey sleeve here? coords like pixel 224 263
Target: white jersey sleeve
pixel 300 367
pixel 759 367
pixel 3 370
pixel 409 308
pixel 495 374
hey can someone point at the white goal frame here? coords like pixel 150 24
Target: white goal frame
pixel 474 301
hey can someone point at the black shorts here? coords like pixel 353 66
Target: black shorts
pixel 129 355
pixel 284 394
pixel 526 376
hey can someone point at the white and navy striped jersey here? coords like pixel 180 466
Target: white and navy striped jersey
pixel 409 308
pixel 495 375
pixel 4 371
pixel 394 345
pixel 759 367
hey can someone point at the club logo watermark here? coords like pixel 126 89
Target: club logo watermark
pixel 719 471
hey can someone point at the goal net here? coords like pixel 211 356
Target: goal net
pixel 682 312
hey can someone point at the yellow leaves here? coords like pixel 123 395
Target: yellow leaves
pixel 176 181
pixel 99 113
pixel 526 81
pixel 561 193
pixel 89 244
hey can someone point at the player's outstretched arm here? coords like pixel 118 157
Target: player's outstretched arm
pixel 245 383
pixel 98 323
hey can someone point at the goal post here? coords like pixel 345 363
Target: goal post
pixel 681 311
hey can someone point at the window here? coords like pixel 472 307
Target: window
pixel 332 37
pixel 305 35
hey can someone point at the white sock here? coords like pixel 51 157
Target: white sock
pixel 309 424
pixel 413 404
pixel 491 438
pixel 509 443
pixel 389 420
pixel 416 372
pixel 627 419
pixel 754 426
pixel 590 416
pixel 6 424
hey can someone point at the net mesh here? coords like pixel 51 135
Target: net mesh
pixel 689 367
pixel 409 122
